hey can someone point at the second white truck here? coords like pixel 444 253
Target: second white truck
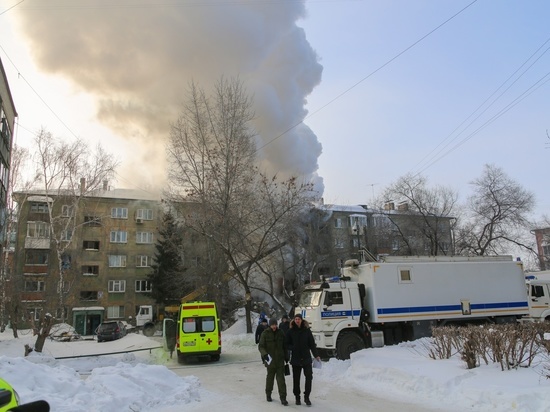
pixel 402 298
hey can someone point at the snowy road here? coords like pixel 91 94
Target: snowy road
pixel 237 382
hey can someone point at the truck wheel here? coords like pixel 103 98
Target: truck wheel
pixel 348 342
pixel 149 330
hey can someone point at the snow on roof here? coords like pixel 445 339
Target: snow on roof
pixel 346 208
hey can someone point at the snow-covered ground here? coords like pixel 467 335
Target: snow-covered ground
pixel 148 380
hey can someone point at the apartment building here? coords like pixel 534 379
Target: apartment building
pixel 96 266
pixel 7 121
pixel 357 232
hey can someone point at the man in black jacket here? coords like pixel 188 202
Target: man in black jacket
pixel 301 345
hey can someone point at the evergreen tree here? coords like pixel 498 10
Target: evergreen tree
pixel 167 279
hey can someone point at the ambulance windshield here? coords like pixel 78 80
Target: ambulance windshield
pixel 310 298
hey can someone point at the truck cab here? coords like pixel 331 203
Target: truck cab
pixel 336 316
pixel 539 299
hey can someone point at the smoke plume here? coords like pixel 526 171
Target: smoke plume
pixel 137 58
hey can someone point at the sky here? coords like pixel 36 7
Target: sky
pixel 384 378
pixel 352 94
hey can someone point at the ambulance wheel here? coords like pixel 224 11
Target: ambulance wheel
pixel 348 342
pixel 181 358
pixel 215 358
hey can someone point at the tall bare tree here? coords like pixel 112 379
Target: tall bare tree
pixel 67 173
pixel 423 214
pixel 497 215
pixel 234 206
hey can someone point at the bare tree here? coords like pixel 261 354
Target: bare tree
pixel 497 215
pixel 67 173
pixel 424 219
pixel 228 200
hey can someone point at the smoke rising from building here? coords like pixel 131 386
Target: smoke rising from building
pixel 137 58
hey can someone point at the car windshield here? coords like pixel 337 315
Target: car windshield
pixel 310 297
pixel 108 326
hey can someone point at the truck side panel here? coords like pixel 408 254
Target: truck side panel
pixel 443 290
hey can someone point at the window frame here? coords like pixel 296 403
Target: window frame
pixel 117 286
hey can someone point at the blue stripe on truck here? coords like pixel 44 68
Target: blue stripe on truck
pixel 445 308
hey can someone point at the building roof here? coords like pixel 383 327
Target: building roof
pixel 129 194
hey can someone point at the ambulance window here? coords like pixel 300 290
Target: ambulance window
pixel 189 325
pixel 208 324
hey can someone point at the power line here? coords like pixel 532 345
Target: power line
pixel 431 155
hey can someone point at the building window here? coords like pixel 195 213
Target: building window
pixel 62 286
pixel 117 286
pixel 90 270
pixel 67 210
pixel 144 214
pixel 143 286
pixel 395 244
pixel 39 207
pixel 119 236
pixel 88 295
pixel 66 235
pixel 37 257
pixel 338 223
pixel 546 250
pixel 117 261
pixel 92 221
pixel 338 243
pixel 114 312
pixel 119 213
pixel 144 237
pixel 90 245
pixel 34 313
pixel 35 286
pixel 143 261
pixel 38 230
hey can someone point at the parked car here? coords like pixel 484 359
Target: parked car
pixel 110 330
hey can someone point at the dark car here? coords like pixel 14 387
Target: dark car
pixel 110 330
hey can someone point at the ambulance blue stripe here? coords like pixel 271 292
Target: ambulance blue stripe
pixel 445 308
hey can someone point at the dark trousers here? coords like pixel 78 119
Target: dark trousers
pixel 308 373
pixel 279 373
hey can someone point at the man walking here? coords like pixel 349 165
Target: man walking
pixel 301 344
pixel 274 353
pixel 285 323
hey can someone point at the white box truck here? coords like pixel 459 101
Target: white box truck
pixel 402 298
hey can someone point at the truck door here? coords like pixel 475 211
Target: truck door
pixel 337 305
pixel 539 300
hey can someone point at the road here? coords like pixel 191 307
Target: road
pixel 237 382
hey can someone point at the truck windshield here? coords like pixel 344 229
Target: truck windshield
pixel 310 297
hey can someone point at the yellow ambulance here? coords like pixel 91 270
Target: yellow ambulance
pixel 199 332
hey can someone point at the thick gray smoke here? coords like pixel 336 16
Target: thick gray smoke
pixel 137 58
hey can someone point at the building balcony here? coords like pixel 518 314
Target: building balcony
pixel 37 243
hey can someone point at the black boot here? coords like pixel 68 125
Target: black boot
pixel 268 397
pixel 307 401
pixel 284 402
pixel 298 400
